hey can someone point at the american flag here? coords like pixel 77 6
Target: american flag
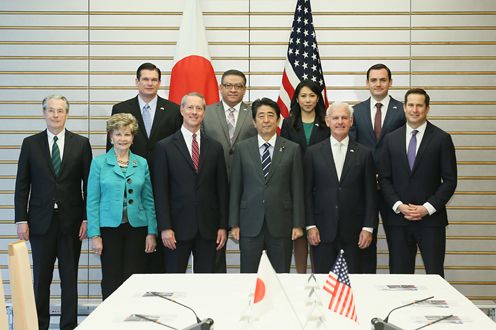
pixel 338 285
pixel 302 58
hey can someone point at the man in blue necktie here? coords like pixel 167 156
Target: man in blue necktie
pixel 418 176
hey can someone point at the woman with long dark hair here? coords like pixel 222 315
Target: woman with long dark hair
pixel 305 126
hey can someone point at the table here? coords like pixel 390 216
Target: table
pixel 225 297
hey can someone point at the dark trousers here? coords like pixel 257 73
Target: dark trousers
pixel 203 250
pixel 220 261
pixel 155 261
pixel 278 250
pixel 404 241
pixel 123 255
pixel 326 253
pixel 66 249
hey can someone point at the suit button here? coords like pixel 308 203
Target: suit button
pixel 130 191
pixel 263 201
pixel 337 207
pixel 129 180
pixel 339 188
pixel 130 201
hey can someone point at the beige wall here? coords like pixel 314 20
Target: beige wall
pixel 88 51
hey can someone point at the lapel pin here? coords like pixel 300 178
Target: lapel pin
pixel 162 108
pixel 134 163
pixel 281 149
pixel 351 150
pixel 395 107
pixel 317 124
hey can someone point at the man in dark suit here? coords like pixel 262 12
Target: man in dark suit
pixel 340 194
pixel 229 122
pixel 157 119
pixel 418 176
pixel 373 119
pixel 266 193
pixel 50 208
pixel 191 192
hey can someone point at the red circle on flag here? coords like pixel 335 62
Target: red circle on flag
pixel 259 291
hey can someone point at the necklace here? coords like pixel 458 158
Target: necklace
pixel 123 162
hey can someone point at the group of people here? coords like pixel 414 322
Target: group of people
pixel 177 178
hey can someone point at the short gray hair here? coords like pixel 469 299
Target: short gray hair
pixel 339 104
pixel 44 103
pixel 185 97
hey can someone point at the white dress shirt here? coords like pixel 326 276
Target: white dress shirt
pixel 261 147
pixel 236 108
pixel 188 138
pixel 60 142
pixel 152 104
pixel 384 108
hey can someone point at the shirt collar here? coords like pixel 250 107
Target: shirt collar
pixel 385 102
pixel 227 107
pixel 188 133
pixel 60 136
pixel 420 129
pixel 345 141
pixel 261 141
pixel 152 103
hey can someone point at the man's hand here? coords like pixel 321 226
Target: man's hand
pixel 297 233
pixel 169 239
pixel 83 230
pixel 313 236
pixel 221 238
pixel 413 212
pixel 23 231
pixel 235 233
pixel 364 239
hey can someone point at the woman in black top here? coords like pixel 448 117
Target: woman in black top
pixel 305 126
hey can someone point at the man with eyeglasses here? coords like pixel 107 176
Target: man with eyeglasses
pixel 157 119
pixel 229 122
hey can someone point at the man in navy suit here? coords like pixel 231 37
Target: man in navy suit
pixel 340 194
pixel 157 119
pixel 191 192
pixel 373 119
pixel 50 207
pixel 418 176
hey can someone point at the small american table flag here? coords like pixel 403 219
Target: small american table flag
pixel 338 285
pixel 302 58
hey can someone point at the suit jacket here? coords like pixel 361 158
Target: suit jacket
pixel 166 121
pixel 188 202
pixel 362 130
pixel 277 200
pixel 106 186
pixel 433 178
pixel 38 188
pixel 215 125
pixel 340 207
pixel 297 135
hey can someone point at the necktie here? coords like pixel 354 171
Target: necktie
pixel 56 156
pixel 231 124
pixel 195 152
pixel 147 119
pixel 339 159
pixel 412 149
pixel 378 120
pixel 266 160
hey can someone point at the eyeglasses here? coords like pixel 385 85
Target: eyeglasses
pixel 236 86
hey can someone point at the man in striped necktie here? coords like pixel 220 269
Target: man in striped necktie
pixel 266 193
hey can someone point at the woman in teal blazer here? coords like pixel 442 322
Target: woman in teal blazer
pixel 120 208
